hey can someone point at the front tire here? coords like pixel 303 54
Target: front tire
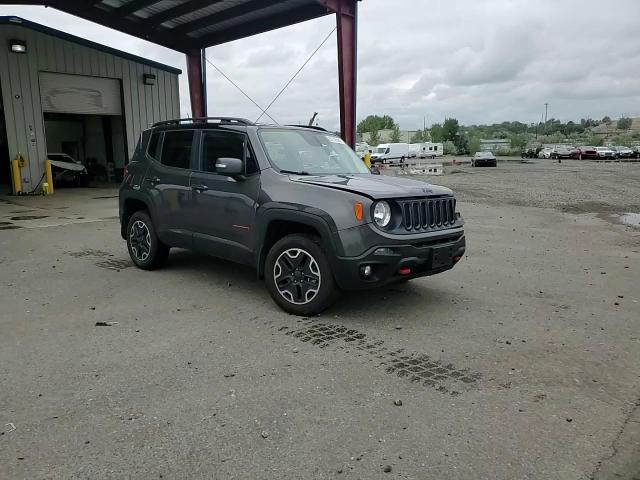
pixel 145 248
pixel 298 275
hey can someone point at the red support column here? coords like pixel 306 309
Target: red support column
pixel 347 20
pixel 196 84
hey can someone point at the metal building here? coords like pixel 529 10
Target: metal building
pixel 65 94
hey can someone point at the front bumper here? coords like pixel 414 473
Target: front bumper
pixel 419 256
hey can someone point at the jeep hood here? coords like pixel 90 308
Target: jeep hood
pixel 375 186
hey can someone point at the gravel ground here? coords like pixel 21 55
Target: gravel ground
pixel 523 362
pixel 570 186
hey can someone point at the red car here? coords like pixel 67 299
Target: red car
pixel 586 153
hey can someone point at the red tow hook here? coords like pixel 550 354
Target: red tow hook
pixel 404 271
pixel 456 259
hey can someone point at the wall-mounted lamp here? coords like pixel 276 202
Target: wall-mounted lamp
pixel 148 79
pixel 18 46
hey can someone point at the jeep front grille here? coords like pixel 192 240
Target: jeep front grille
pixel 428 213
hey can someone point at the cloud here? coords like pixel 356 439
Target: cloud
pixel 479 61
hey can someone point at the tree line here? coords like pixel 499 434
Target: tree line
pixel 466 139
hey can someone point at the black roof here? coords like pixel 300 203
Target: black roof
pixel 187 25
pixel 4 20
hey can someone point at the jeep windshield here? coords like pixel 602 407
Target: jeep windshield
pixel 307 152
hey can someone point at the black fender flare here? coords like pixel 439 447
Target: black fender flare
pixel 311 217
pixel 133 195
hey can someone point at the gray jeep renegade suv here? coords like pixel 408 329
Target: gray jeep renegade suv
pixel 295 203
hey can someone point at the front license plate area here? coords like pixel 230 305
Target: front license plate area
pixel 442 257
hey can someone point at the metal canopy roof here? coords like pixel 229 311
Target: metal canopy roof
pixel 187 25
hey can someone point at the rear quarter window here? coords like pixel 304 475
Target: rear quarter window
pixel 153 149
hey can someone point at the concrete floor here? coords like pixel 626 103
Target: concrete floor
pixel 522 362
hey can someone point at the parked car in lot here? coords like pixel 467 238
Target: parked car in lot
pixel 564 152
pixel 587 153
pixel 623 152
pixel 484 159
pixel 529 153
pixel 605 152
pixel 67 171
pixel 295 203
pixel 545 153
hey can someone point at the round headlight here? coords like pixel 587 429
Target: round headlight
pixel 382 214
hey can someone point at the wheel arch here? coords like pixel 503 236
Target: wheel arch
pixel 131 205
pixel 276 223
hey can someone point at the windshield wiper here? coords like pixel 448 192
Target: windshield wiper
pixel 292 172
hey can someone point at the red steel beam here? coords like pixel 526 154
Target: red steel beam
pixel 196 84
pixel 347 20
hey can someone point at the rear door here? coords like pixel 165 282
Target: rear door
pixel 167 182
pixel 223 207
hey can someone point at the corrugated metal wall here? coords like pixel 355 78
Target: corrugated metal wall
pixel 143 104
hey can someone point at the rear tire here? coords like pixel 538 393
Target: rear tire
pixel 145 248
pixel 298 275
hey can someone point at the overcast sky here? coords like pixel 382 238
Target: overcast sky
pixel 481 61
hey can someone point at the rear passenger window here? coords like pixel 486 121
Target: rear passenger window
pixel 154 145
pixel 220 144
pixel 176 148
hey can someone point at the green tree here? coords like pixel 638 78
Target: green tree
pixel 436 133
pixel 606 119
pixel 474 145
pixel 421 136
pixel 625 139
pixel 462 143
pixel 519 141
pixel 449 148
pixel 418 137
pixel 374 138
pixel 396 136
pixel 595 140
pixel 624 123
pixel 375 122
pixel 450 129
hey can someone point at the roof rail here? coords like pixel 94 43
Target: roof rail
pixel 312 127
pixel 220 120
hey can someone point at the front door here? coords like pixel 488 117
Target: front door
pixel 167 181
pixel 224 207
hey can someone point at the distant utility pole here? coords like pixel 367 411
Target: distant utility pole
pixel 546 111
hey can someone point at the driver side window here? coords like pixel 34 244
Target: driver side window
pixel 220 144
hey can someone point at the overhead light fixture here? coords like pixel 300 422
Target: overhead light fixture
pixel 148 79
pixel 18 46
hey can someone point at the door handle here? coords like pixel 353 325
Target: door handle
pixel 199 188
pixel 154 180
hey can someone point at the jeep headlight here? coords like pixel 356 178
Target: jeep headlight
pixel 382 214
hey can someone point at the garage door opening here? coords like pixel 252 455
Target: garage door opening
pixel 96 141
pixel 83 120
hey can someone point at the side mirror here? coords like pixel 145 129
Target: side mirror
pixel 230 166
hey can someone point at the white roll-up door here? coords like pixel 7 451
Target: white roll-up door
pixel 61 93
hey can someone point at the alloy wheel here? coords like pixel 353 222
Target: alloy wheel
pixel 297 276
pixel 140 240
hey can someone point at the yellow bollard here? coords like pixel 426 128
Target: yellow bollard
pixel 367 160
pixel 16 183
pixel 49 176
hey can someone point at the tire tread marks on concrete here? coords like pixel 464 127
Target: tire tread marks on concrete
pixel 412 366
